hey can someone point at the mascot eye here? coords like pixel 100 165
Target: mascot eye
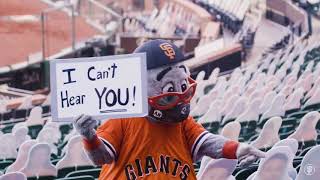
pixel 168 88
pixel 184 85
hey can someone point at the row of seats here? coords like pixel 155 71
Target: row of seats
pixel 272 101
pixel 9 115
pixel 60 151
pixel 232 13
pixel 171 20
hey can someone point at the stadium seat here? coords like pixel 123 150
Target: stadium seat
pixel 248 129
pixel 21 135
pixel 20 114
pixel 34 130
pixel 218 168
pixel 309 164
pixel 35 117
pixel 314 88
pixel 211 119
pixel 13 176
pixel 298 115
pixel 6 116
pixel 288 124
pixel 50 136
pixel 38 163
pixel 78 178
pixel 267 100
pixel 276 165
pixel 246 172
pixel 42 178
pixel 228 105
pixel 22 156
pixel 75 157
pixel 276 108
pixel 293 145
pixel 269 134
pixel 5 163
pixel 251 113
pixel 8 146
pixel 64 171
pixel 7 128
pixel 238 108
pixel 293 102
pixel 46 110
pixel 202 106
pixel 91 172
pixel 231 130
pixel 306 131
pixel 314 102
pixel 65 129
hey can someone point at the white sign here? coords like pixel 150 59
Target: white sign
pixel 102 87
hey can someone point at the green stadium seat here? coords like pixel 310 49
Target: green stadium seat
pixel 298 168
pixel 61 146
pixel 91 172
pixel 65 129
pixel 20 114
pixel 64 171
pixel 298 115
pixel 34 131
pixel 252 138
pixel 214 127
pixel 78 178
pixel 7 116
pixel 248 129
pixel 42 178
pixel 304 152
pixel 261 123
pixel 206 125
pixel 306 144
pixel 7 128
pixel 291 111
pixel 54 161
pixel 311 107
pixel 5 163
pixel 226 122
pixel 297 161
pixel 46 110
pixel 246 172
pixel 285 134
pixel 288 124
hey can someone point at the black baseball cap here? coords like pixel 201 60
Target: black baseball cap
pixel 160 52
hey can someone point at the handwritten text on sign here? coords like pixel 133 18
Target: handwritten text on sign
pixel 103 87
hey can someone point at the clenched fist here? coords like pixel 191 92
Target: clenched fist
pixel 84 125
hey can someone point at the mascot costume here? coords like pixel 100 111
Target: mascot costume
pixel 165 143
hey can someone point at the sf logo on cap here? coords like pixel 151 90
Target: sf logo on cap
pixel 168 50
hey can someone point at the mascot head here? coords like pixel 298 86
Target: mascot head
pixel 170 87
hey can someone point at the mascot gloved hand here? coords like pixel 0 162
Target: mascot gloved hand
pixel 165 143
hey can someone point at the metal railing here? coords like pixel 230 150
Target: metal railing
pixel 44 21
pixel 99 15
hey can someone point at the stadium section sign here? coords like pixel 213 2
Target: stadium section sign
pixel 103 87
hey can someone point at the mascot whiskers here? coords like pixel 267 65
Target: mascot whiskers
pixel 165 143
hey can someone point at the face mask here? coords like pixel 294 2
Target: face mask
pixel 174 115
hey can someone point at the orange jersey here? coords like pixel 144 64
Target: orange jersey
pixel 144 149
